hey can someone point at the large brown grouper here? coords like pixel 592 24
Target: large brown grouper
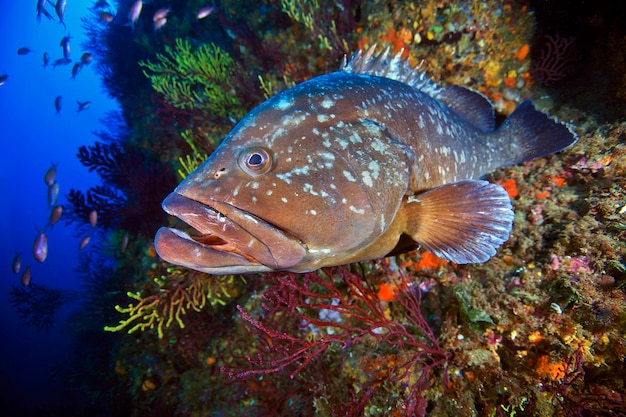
pixel 354 165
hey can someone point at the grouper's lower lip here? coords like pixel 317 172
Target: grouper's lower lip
pixel 230 241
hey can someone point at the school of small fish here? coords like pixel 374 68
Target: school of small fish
pixel 371 160
pixel 108 14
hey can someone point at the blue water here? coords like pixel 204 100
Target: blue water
pixel 33 137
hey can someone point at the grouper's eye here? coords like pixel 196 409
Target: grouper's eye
pixel 255 161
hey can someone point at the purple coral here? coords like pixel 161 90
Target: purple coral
pixel 557 59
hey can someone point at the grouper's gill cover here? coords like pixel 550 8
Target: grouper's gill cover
pixel 351 166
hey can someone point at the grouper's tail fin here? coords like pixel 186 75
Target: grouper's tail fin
pixel 533 134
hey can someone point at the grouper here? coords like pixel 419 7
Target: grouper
pixel 371 160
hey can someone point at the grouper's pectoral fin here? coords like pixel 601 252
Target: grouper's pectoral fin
pixel 463 222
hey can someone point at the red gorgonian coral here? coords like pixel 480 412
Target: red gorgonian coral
pixel 305 316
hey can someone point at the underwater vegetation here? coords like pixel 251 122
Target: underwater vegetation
pixel 539 329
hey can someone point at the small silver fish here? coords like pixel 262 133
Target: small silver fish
pixel 124 243
pixel 135 12
pixel 16 265
pixel 58 104
pixel 59 8
pixel 65 46
pixel 204 12
pixel 25 279
pixel 40 247
pixel 53 193
pixel 93 218
pixel 106 16
pixel 24 51
pixel 372 160
pixel 86 58
pixel 158 24
pixel 160 14
pixel 3 79
pixel 50 175
pixel 76 69
pixel 41 9
pixel 55 214
pixel 84 242
pixel 46 59
pixel 82 105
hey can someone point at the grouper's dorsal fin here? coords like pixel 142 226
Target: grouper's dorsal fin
pixel 473 106
pixel 395 68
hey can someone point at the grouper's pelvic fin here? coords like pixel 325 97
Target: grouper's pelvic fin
pixel 462 222
pixel 531 134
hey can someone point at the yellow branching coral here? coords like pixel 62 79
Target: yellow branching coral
pixel 197 78
pixel 176 294
pixel 190 162
pixel 315 20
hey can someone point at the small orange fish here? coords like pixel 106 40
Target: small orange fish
pixel 25 280
pixel 40 247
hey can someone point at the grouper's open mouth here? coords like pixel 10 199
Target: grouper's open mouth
pixel 230 240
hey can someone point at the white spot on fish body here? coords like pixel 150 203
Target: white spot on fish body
pixel 327 103
pixel 308 188
pixel 375 169
pixel 322 118
pixel 313 212
pixel 284 177
pixel 355 138
pixel 356 210
pixel 342 143
pixel 349 176
pixel 367 179
pixel 284 103
pixel 283 199
pixel 293 120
